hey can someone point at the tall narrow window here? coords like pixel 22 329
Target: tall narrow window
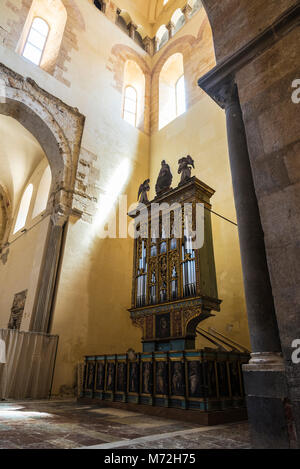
pixel 24 208
pixel 36 41
pixel 172 99
pixel 130 105
pixel 42 193
pixel 180 96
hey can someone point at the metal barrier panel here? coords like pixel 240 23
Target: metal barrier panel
pixel 30 360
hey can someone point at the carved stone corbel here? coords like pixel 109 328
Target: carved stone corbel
pixel 139 322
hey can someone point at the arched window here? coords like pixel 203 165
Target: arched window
pixel 36 41
pixel 133 110
pixel 42 193
pixel 130 105
pixel 24 208
pixel 180 96
pixel 172 98
pixel 42 35
pixel 161 37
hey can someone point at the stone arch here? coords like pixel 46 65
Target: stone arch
pixel 46 118
pixel 58 128
pixel 120 55
pixel 204 27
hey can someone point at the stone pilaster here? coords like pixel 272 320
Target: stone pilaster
pixel 49 270
pixel 264 376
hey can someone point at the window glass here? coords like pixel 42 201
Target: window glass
pixel 36 41
pixel 24 208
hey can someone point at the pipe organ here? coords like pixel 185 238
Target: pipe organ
pixel 174 283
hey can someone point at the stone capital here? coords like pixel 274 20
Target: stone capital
pixel 149 45
pixel 170 27
pixel 225 93
pixel 60 217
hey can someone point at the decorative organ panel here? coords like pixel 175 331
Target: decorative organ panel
pixel 174 284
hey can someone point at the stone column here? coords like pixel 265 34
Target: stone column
pixel 49 269
pixel 170 27
pixel 260 305
pixel 264 376
pixel 187 11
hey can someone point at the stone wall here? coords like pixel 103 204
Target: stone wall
pixel 272 123
pixel 237 22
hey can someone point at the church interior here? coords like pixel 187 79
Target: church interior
pixel 108 108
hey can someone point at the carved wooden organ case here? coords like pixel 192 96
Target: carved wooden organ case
pixel 174 286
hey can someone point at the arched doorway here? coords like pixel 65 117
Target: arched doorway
pixel 56 129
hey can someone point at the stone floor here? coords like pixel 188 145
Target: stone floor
pixel 67 424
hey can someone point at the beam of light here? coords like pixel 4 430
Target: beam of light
pixel 7 407
pixel 108 199
pixel 20 415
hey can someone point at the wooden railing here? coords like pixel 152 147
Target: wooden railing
pixel 202 380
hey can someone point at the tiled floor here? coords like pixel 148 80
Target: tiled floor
pixel 67 424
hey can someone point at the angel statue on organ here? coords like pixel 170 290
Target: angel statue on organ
pixel 142 195
pixel 185 168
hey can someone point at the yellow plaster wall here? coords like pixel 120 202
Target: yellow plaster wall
pixel 21 272
pixel 201 132
pixel 22 162
pixel 94 289
pixel 95 281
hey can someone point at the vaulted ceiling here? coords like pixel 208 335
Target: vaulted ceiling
pixel 148 13
pixel 149 8
pixel 20 154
